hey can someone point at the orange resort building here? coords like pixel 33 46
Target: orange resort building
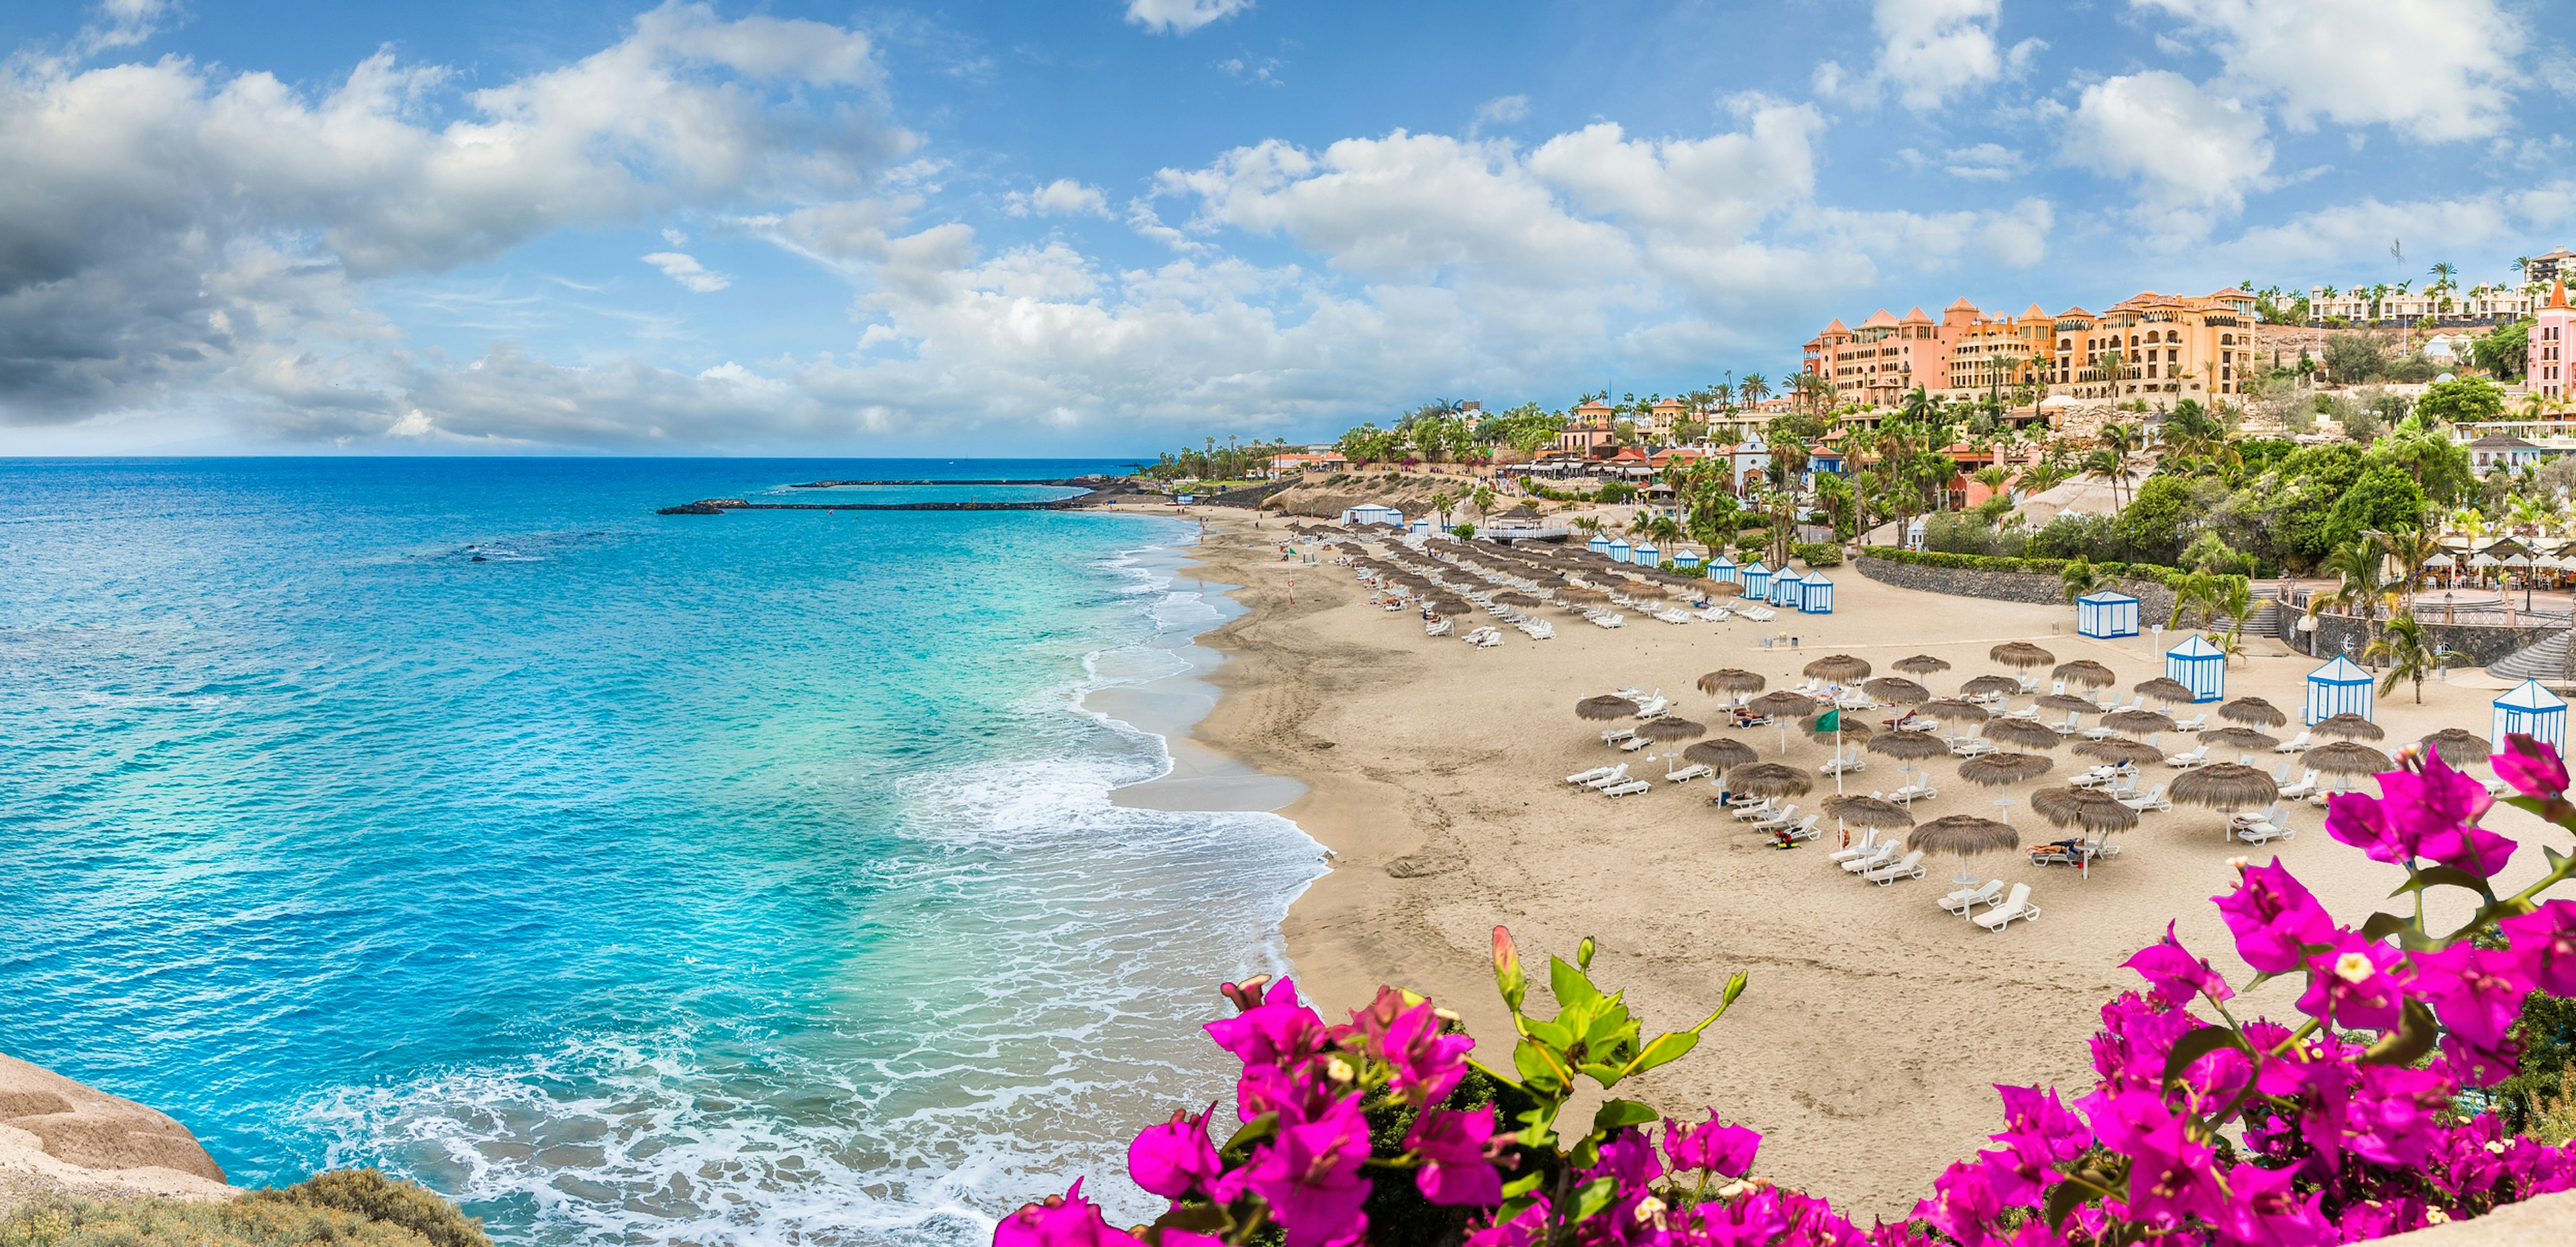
pixel 2550 338
pixel 2155 348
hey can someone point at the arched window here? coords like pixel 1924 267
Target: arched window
pixel 2227 339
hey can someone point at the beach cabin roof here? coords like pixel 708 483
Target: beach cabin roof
pixel 2198 647
pixel 2529 695
pixel 1755 568
pixel 2106 597
pixel 2340 671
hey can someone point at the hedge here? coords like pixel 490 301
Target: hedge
pixel 1819 553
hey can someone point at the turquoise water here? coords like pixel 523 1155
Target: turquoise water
pixel 746 878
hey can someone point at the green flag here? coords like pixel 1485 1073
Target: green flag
pixel 1830 721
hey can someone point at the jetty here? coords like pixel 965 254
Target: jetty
pixel 1096 490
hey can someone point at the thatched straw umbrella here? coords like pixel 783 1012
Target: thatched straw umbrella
pixel 1949 708
pixel 2086 672
pixel 1839 668
pixel 2021 654
pixel 1447 606
pixel 1730 680
pixel 2350 726
pixel 2224 786
pixel 2118 752
pixel 1989 685
pixel 1963 836
pixel 1604 708
pixel 1781 704
pixel 1722 588
pixel 2023 734
pixel 1870 811
pixel 2346 757
pixel 2138 721
pixel 1921 664
pixel 2240 738
pixel 1516 600
pixel 1770 779
pixel 1671 729
pixel 1897 689
pixel 2164 689
pixel 1724 753
pixel 1844 725
pixel 2084 807
pixel 2253 712
pixel 1907 746
pixel 2458 746
pixel 1998 769
pixel 2069 701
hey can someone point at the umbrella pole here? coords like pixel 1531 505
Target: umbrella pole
pixel 1838 754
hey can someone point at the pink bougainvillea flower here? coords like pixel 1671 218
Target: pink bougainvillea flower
pixel 1754 1218
pixel 1174 1158
pixel 1299 1095
pixel 1066 1220
pixel 2351 984
pixel 1964 1205
pixel 1711 1146
pixel 2544 940
pixel 2271 915
pixel 1452 1147
pixel 2361 820
pixel 2437 798
pixel 2391 1112
pixel 2532 767
pixel 1521 1231
pixel 2176 975
pixel 1427 1063
pixel 1278 1032
pixel 1310 1174
pixel 2476 992
pixel 2263 1210
pixel 2171 1177
pixel 1627 1157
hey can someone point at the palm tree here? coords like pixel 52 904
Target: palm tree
pixel 2079 578
pixel 2236 601
pixel 2362 589
pixel 2411 656
pixel 1994 477
pixel 2411 548
pixel 1440 501
pixel 2199 592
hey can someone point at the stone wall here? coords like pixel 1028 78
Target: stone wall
pixel 2483 643
pixel 2155 602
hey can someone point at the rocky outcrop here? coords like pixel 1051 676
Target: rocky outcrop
pixel 58 1136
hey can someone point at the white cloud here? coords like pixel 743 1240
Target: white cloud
pixel 1181 16
pixel 1061 197
pixel 1502 110
pixel 123 24
pixel 2190 153
pixel 2353 237
pixel 1930 51
pixel 1980 162
pixel 686 270
pixel 2430 69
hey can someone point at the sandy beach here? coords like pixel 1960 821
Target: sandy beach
pixel 1875 1024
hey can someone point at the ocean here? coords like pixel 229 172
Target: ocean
pixel 737 879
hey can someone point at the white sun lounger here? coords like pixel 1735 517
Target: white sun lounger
pixel 1609 621
pixel 1631 787
pixel 1867 845
pixel 2016 905
pixel 2306 787
pixel 1635 743
pixel 1613 735
pixel 1876 858
pixel 1965 901
pixel 2069 726
pixel 1787 814
pixel 2153 799
pixel 1975 748
pixel 1617 775
pixel 1689 773
pixel 1909 866
pixel 1585 777
pixel 2300 743
pixel 2186 761
pixel 1439 627
pixel 2192 724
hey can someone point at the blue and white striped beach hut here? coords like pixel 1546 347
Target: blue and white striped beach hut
pixel 1646 553
pixel 2106 613
pixel 1756 580
pixel 2533 711
pixel 1785 588
pixel 2198 666
pixel 2338 688
pixel 1618 550
pixel 1421 528
pixel 1816 595
pixel 1723 568
pixel 1686 559
pixel 1598 545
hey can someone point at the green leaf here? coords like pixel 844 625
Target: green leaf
pixel 1617 1113
pixel 1513 983
pixel 1667 1047
pixel 2443 876
pixel 1254 1131
pixel 2198 1044
pixel 2380 926
pixel 1605 1074
pixel 1522 1185
pixel 2063 1200
pixel 2409 1042
pixel 1195 1218
pixel 1554 1034
pixel 1572 989
pixel 1537 1072
pixel 1594 1196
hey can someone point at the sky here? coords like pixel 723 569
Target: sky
pixel 1117 226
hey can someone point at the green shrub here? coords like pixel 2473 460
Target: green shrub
pixel 343 1208
pixel 393 1201
pixel 1819 553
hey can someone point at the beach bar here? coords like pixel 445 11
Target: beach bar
pixel 2533 711
pixel 2107 613
pixel 2338 688
pixel 1756 580
pixel 1815 595
pixel 2197 665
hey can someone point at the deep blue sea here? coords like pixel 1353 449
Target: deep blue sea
pixel 736 879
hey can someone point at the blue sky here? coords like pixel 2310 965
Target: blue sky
pixel 1113 225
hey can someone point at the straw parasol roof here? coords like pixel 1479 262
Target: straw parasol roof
pixel 2349 725
pixel 1447 606
pixel 1908 746
pixel 1604 707
pixel 2224 786
pixel 2086 672
pixel 2021 654
pixel 2133 752
pixel 1985 685
pixel 2240 738
pixel 1997 769
pixel 1730 680
pixel 1780 701
pixel 2023 734
pixel 1921 664
pixel 2165 689
pixel 2069 701
pixel 1723 589
pixel 2138 721
pixel 1869 811
pixel 1897 689
pixel 1850 729
pixel 1724 753
pixel 1963 835
pixel 1665 729
pixel 1515 598
pixel 1952 708
pixel 2094 811
pixel 1769 779
pixel 2458 746
pixel 1840 668
pixel 2253 712
pixel 2345 757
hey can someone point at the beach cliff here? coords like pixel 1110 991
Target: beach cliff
pixel 61 1137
